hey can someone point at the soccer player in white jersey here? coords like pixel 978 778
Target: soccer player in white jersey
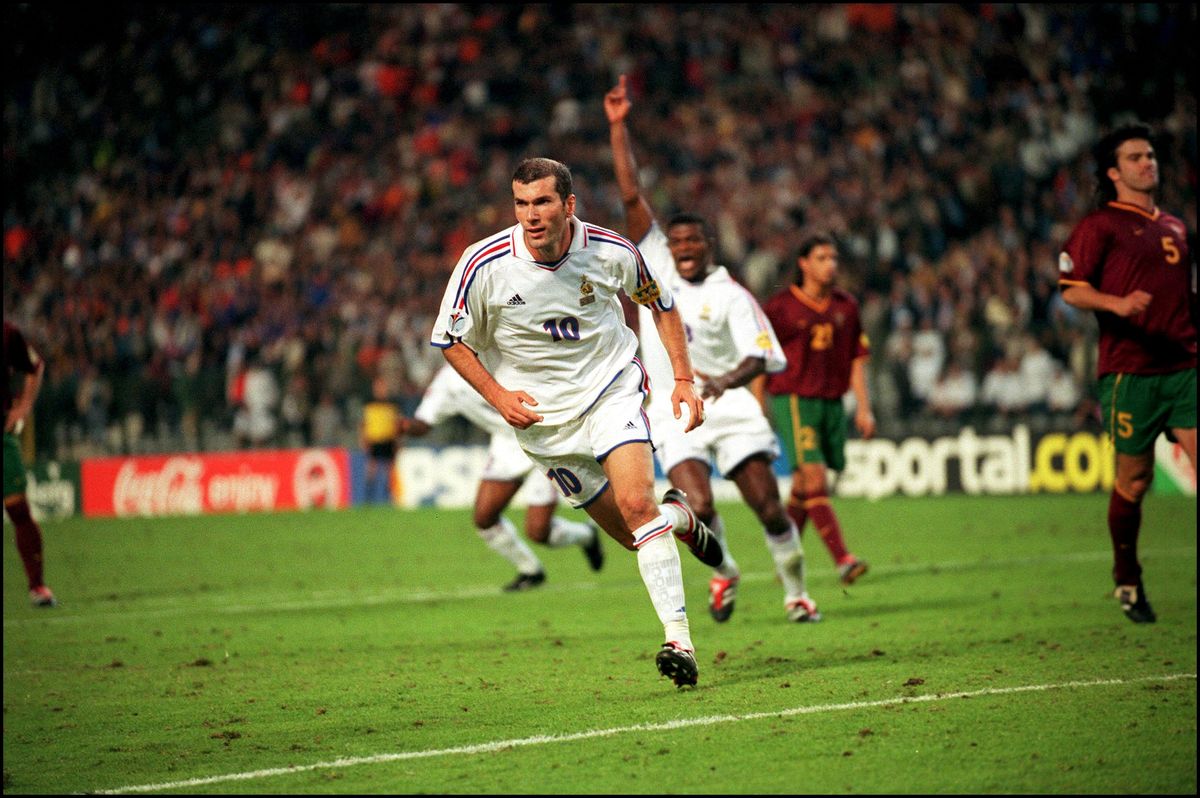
pixel 730 342
pixel 506 470
pixel 532 320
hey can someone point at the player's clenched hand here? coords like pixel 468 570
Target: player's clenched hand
pixel 1133 304
pixel 685 394
pixel 616 102
pixel 512 406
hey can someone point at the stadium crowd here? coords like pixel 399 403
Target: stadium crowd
pixel 223 222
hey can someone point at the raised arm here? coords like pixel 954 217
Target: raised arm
pixel 638 215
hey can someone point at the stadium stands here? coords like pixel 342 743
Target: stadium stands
pixel 210 191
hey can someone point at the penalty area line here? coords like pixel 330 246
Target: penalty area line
pixel 682 723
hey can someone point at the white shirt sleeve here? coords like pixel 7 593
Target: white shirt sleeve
pixel 462 315
pixel 751 332
pixel 643 283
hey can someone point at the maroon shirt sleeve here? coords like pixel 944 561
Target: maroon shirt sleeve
pixel 1082 255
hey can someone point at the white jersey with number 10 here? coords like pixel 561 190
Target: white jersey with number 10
pixel 554 330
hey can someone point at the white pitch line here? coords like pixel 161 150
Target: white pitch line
pixel 318 602
pixel 682 723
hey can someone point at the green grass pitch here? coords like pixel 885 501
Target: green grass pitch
pixel 372 651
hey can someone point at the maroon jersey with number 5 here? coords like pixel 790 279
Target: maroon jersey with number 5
pixel 1118 249
pixel 821 340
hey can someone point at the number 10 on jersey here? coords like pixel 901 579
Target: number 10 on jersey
pixel 566 327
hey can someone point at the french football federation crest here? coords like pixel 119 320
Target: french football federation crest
pixel 705 312
pixel 586 292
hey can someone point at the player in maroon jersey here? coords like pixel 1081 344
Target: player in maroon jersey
pixel 1129 262
pixel 22 362
pixel 819 328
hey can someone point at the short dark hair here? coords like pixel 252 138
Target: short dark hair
pixel 684 217
pixel 812 241
pixel 532 169
pixel 1105 156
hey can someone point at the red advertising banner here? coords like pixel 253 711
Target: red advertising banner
pixel 223 482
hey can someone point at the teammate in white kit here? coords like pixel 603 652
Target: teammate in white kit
pixel 538 303
pixel 730 342
pixel 506 470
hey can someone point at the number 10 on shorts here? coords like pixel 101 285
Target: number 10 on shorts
pixel 567 482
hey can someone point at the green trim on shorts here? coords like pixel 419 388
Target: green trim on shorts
pixel 1137 408
pixel 811 430
pixel 15 479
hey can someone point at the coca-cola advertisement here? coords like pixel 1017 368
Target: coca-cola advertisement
pixel 224 482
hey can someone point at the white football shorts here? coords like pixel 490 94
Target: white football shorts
pixel 734 428
pixel 506 462
pixel 572 453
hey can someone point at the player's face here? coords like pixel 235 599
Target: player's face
pixel 1137 166
pixel 690 250
pixel 821 265
pixel 544 217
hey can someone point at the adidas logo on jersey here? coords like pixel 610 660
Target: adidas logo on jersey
pixel 630 425
pixel 515 299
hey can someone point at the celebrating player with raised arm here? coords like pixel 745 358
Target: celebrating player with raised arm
pixel 730 342
pixel 532 320
pixel 1129 262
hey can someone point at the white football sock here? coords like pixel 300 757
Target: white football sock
pixel 503 539
pixel 678 518
pixel 568 533
pixel 658 562
pixel 728 567
pixel 788 555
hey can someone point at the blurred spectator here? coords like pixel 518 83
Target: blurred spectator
pixel 254 393
pixel 379 439
pixel 928 355
pixel 295 413
pixel 954 394
pixel 327 423
pixel 1037 369
pixel 1003 389
pixel 1062 392
pixel 898 355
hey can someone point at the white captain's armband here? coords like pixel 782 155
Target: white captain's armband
pixel 1065 264
pixel 647 293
